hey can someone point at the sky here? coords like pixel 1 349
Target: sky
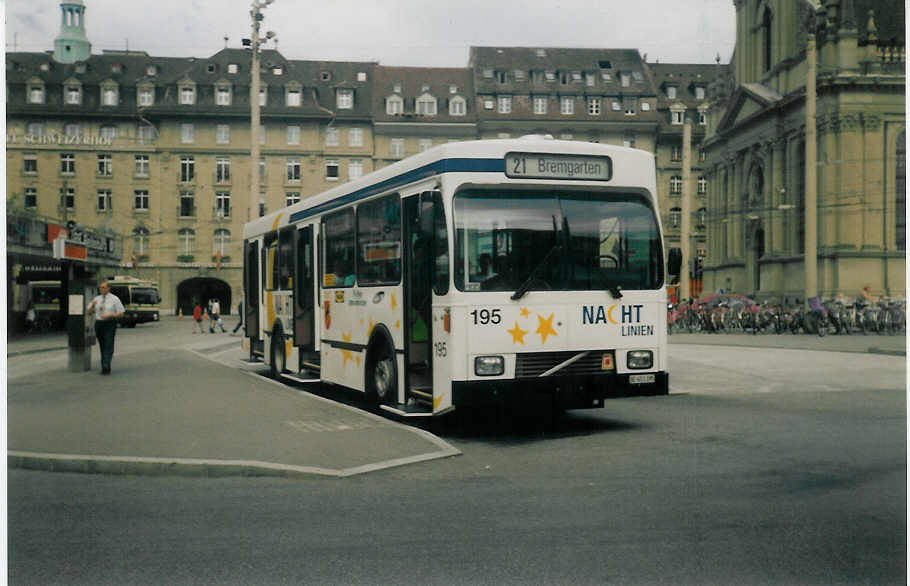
pixel 393 32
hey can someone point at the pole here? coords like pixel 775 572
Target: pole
pixel 685 226
pixel 254 114
pixel 811 209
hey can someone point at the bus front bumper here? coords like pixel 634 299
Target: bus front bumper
pixel 569 392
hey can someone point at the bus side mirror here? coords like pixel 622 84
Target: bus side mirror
pixel 674 261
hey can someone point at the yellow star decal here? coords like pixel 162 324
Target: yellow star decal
pixel 346 354
pixel 394 301
pixel 518 334
pixel 357 361
pixel 525 312
pixel 370 327
pixel 397 324
pixel 545 328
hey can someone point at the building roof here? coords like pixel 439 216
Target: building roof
pixel 414 82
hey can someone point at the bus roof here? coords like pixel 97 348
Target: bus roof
pixel 466 156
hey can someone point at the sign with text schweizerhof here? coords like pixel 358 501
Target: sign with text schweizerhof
pixel 549 166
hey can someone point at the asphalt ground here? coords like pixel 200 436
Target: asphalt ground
pixel 182 403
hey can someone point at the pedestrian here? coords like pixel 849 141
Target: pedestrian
pixel 31 318
pixel 197 318
pixel 107 308
pixel 239 318
pixel 215 317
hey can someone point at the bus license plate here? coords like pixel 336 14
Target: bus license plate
pixel 641 379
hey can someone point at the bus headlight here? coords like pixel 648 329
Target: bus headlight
pixel 639 359
pixel 489 365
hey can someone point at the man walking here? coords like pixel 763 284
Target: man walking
pixel 239 318
pixel 107 308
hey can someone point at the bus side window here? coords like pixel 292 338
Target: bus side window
pixel 440 246
pixel 271 262
pixel 285 258
pixel 338 256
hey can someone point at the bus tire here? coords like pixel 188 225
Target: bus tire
pixel 382 375
pixel 277 357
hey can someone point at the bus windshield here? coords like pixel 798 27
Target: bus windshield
pixel 518 240
pixel 145 295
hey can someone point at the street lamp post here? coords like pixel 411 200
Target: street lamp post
pixel 254 41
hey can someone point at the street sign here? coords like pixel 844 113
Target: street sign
pixel 66 250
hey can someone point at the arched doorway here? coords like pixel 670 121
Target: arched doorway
pixel 755 250
pixel 201 289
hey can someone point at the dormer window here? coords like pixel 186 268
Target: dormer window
pixel 80 67
pixel 518 75
pixel 35 92
pixel 145 95
pixel 292 96
pixel 210 68
pixel 277 70
pixel 73 94
pixel 187 95
pixel 625 80
pixel 502 77
pixel 394 105
pixel 233 68
pixel 325 76
pixel 151 70
pixel 457 106
pixel 223 95
pixel 453 89
pixel 109 94
pixel 45 66
pixel 116 68
pixel 699 92
pixel 677 114
pixel 344 99
pixel 361 76
pixel 426 105
pixel 396 88
pixel 671 92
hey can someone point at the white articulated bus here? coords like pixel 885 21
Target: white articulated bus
pixel 471 273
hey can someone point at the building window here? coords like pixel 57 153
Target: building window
pixel 396 147
pixel 34 129
pixel 72 129
pixel 293 98
pixel 331 169
pixel 30 164
pixel 594 106
pixel 74 95
pixel 67 164
pixel 221 242
pixel 505 104
pixel 540 105
pixel 261 170
pixel 187 205
pixel 186 133
pixel 36 94
pixel 233 68
pixel 426 105
pixel 145 134
pixel 676 116
pixel 355 137
pixel 262 134
pixel 589 79
pixel 104 200
pixel 344 99
pixel 702 185
pixel 900 186
pixel 222 204
pixel 457 106
pixel 108 132
pixel 187 169
pixel 291 197
pixel 293 170
pixel 151 70
pixel 645 106
pixel 109 96
pixel 105 165
pixel 187 95
pixel 701 216
pixel 628 140
pixel 765 30
pixel 567 105
pixel 68 198
pixel 671 92
pixel 676 184
pixel 355 169
pixel 332 136
pixel 223 96
pixel 625 79
pixel 141 200
pixel 186 238
pixel 676 153
pixel 699 92
pixel 145 96
pixel 424 144
pixel 223 133
pixel 140 241
pixel 31 198
pixel 263 96
pixel 293 134
pixel 488 103
pixel 629 106
pixel 261 203
pixel 675 217
pixel 394 105
pixel 222 170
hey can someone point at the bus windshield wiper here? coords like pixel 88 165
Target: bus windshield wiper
pixel 614 290
pixel 523 288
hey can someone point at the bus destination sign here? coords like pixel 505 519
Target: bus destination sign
pixel 550 166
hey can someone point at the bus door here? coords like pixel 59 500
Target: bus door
pixel 418 292
pixel 304 297
pixel 251 290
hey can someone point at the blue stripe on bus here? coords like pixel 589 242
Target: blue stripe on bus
pixel 436 168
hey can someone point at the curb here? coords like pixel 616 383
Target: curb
pixel 35 351
pixel 886 352
pixel 200 468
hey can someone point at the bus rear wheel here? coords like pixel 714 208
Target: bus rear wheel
pixel 383 376
pixel 277 358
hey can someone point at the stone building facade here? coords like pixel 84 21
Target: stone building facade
pixel 156 149
pixel 756 157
